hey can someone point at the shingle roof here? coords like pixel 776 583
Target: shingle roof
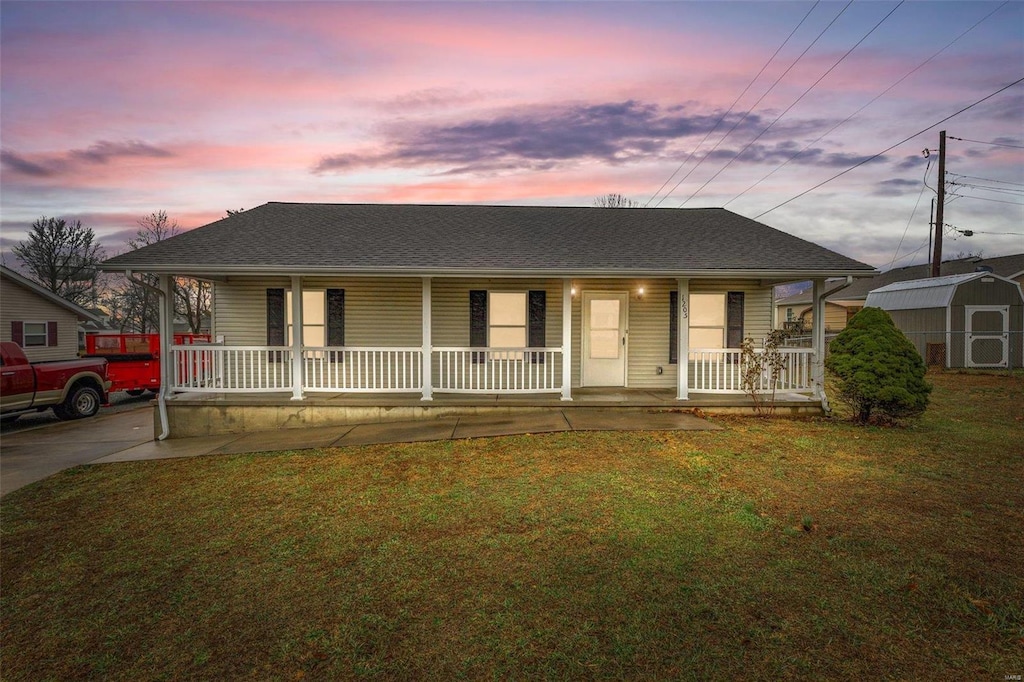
pixel 1005 266
pixel 500 239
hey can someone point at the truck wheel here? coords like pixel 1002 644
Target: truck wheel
pixel 84 401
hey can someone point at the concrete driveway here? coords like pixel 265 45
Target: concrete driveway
pixel 31 455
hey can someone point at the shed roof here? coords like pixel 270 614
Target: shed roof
pixel 463 240
pixel 934 292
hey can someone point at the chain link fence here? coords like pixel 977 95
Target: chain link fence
pixel 982 350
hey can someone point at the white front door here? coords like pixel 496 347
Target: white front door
pixel 988 335
pixel 604 338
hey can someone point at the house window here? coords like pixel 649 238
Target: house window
pixel 314 308
pixel 323 317
pixel 504 319
pixel 506 323
pixel 34 335
pixel 789 314
pixel 707 320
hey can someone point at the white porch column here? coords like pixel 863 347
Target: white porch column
pixel 165 327
pixel 818 337
pixel 683 336
pixel 427 352
pixel 566 339
pixel 297 338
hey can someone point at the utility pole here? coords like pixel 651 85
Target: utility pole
pixel 939 205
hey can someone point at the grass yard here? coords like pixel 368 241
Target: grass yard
pixel 775 549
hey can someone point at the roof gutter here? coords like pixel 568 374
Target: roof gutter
pixel 220 271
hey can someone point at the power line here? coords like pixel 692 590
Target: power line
pixel 795 102
pixel 731 106
pixel 994 144
pixel 975 177
pixel 995 201
pixel 924 185
pixel 987 188
pixel 888 149
pixel 873 100
pixel 754 105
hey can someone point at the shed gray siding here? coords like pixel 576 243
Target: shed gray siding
pixel 923 326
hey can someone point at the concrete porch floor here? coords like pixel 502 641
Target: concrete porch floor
pixel 210 414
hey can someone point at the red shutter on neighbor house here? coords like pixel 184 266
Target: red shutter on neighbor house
pixel 51 334
pixel 18 333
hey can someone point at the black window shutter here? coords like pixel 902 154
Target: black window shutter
pixel 51 334
pixel 673 327
pixel 18 332
pixel 537 333
pixel 734 319
pixel 275 321
pixel 478 322
pixel 335 317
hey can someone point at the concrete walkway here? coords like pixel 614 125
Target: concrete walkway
pixel 31 455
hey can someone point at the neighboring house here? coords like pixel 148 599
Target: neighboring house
pixel 482 301
pixel 796 312
pixel 45 325
pixel 846 301
pixel 970 320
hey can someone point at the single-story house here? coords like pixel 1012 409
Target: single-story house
pixel 380 304
pixel 45 325
pixel 970 320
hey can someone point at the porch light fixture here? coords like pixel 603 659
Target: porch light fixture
pixel 572 292
pixel 640 294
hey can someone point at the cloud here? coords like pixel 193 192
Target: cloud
pixel 103 151
pixel 896 187
pixel 22 166
pixel 538 137
pixel 66 163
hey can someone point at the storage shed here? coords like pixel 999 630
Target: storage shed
pixel 970 320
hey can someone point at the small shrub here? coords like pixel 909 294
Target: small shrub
pixel 877 369
pixel 760 367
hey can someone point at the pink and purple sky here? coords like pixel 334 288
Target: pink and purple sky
pixel 110 111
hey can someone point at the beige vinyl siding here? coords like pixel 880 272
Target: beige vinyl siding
pixel 648 322
pixel 835 317
pixel 20 304
pixel 387 312
pixel 378 311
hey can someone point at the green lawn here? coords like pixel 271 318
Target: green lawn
pixel 774 549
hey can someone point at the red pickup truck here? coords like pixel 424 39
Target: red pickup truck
pixel 73 388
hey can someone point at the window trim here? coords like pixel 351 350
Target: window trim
pixel 25 334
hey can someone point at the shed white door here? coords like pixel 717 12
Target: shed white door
pixel 988 335
pixel 604 338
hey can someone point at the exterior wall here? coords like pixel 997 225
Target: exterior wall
pixel 387 312
pixel 378 311
pixel 986 293
pixel 20 304
pixel 835 316
pixel 924 326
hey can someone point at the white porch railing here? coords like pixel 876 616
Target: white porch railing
pixel 369 370
pixel 720 370
pixel 254 369
pixel 498 370
pixel 231 369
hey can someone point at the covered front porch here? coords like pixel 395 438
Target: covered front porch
pixel 329 379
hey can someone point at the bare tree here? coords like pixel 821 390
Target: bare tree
pixel 615 201
pixel 63 257
pixel 135 307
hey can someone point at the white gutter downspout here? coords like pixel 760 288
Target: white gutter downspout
pixel 163 325
pixel 819 291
